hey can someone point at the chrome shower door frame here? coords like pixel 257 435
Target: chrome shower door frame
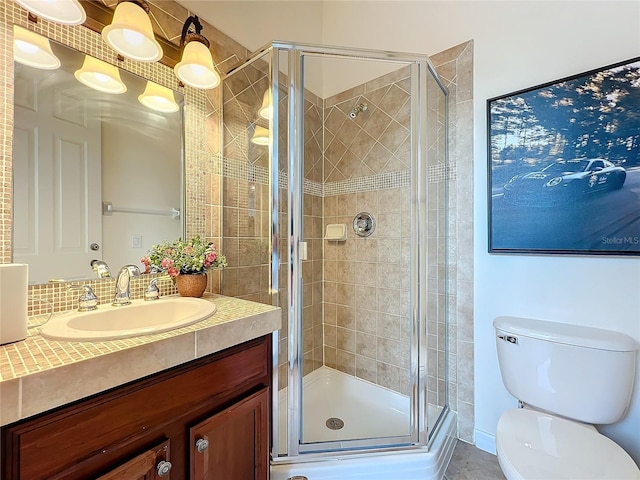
pixel 420 68
pixel 420 433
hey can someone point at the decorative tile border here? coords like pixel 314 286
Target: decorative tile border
pixel 381 181
pixel 244 171
pixel 442 173
pixel 6 131
pixel 240 170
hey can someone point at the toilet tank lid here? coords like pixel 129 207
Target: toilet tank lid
pixel 577 335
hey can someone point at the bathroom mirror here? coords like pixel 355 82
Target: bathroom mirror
pixel 97 176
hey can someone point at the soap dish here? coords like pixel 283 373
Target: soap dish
pixel 336 232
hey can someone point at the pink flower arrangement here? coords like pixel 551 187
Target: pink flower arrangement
pixel 183 257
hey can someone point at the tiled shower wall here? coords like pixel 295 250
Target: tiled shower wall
pixel 312 268
pixel 246 215
pixel 455 68
pixel 450 248
pixel 367 279
pixel 245 192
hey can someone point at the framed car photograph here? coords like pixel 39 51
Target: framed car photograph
pixel 564 165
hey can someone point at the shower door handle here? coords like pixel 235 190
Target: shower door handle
pixel 302 248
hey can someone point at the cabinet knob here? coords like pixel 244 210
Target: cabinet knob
pixel 202 445
pixel 164 468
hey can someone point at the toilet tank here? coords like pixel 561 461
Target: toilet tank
pixel 577 372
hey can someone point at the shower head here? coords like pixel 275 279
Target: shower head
pixel 361 107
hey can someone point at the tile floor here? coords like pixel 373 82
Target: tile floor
pixel 471 463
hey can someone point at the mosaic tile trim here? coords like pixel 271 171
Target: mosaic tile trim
pixel 213 163
pixel 244 171
pixel 367 184
pixel 313 188
pixel 283 181
pixel 240 170
pixel 58 297
pixel 37 354
pixel 309 186
pixel 441 172
pixel 6 132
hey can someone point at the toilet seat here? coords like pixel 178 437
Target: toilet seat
pixel 533 445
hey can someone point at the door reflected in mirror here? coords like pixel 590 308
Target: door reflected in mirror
pixel 97 176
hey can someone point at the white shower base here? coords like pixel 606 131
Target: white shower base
pixel 367 410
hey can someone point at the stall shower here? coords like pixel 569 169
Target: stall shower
pixel 335 202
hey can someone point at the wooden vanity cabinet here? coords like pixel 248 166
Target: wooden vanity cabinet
pixel 126 432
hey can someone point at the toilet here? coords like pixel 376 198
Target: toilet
pixel 567 378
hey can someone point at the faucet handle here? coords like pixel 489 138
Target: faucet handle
pixel 87 300
pixel 152 292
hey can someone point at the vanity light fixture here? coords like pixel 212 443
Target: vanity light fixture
pixel 100 76
pixel 260 136
pixel 67 12
pixel 33 50
pixel 196 67
pixel 158 98
pixel 266 109
pixel 131 34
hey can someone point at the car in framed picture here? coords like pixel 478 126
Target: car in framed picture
pixel 564 165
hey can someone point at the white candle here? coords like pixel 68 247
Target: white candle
pixel 14 278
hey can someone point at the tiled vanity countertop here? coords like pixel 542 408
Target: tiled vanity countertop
pixel 39 374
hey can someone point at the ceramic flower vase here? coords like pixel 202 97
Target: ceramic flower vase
pixel 191 284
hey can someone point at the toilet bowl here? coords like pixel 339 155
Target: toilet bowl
pixel 569 378
pixel 533 445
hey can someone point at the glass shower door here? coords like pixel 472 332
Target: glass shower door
pixel 335 208
pixel 355 165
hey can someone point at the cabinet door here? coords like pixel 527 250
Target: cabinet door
pixel 233 444
pixel 150 465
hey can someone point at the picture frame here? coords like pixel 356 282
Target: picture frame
pixel 564 165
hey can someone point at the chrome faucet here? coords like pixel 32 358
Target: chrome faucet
pixel 101 268
pixel 123 282
pixel 87 301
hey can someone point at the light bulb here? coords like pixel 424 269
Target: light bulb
pixel 26 47
pixel 134 38
pixel 101 77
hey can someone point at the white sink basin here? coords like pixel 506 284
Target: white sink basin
pixel 139 318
